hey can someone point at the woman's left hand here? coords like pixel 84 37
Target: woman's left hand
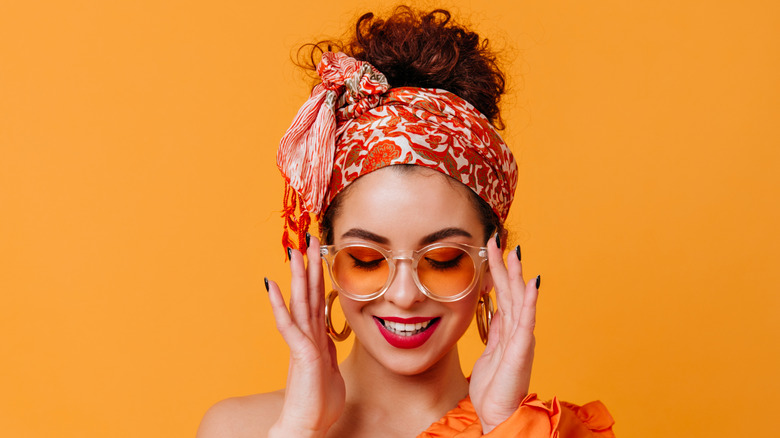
pixel 501 376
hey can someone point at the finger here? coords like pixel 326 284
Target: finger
pixel 520 348
pixel 528 313
pixel 516 281
pixel 494 334
pixel 316 285
pixel 316 281
pixel 500 277
pixel 299 292
pixel 291 334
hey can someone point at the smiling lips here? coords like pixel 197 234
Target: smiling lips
pixel 406 332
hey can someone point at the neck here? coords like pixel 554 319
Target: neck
pixel 378 394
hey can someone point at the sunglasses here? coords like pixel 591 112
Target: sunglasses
pixel 444 272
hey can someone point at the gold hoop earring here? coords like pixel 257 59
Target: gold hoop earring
pixel 484 316
pixel 344 333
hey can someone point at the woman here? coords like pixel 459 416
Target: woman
pixel 397 154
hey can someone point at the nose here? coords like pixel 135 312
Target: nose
pixel 403 291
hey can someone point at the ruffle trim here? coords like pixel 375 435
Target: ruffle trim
pixel 532 419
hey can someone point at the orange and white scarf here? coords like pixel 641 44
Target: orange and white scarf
pixel 354 123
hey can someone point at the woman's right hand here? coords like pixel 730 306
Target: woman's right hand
pixel 315 393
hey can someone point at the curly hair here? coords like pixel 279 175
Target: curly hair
pixel 425 50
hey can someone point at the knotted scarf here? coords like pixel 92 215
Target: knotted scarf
pixel 354 123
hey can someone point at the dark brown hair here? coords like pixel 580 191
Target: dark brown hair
pixel 425 50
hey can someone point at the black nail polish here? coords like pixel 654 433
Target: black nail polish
pixel 538 281
pixel 265 279
pixel 498 241
pixel 517 251
pixel 289 253
pixel 308 239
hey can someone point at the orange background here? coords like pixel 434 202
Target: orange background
pixel 139 204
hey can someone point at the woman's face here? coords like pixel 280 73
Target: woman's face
pixel 407 210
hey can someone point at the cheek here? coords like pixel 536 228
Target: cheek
pixel 467 308
pixel 350 308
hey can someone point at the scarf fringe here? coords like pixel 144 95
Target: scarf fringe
pixel 296 220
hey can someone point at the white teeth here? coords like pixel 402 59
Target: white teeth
pixel 402 329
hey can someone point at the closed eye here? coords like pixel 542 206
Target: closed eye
pixel 368 265
pixel 443 265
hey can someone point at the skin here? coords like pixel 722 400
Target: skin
pixel 379 387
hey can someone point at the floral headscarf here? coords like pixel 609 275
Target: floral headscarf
pixel 354 123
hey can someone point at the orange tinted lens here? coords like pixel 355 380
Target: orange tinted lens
pixel 360 270
pixel 446 271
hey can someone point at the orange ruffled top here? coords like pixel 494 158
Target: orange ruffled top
pixel 533 419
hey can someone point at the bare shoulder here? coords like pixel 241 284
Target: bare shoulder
pixel 238 417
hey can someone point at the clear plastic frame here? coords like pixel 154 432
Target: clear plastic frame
pixel 443 271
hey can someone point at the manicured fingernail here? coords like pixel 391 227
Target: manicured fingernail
pixel 265 279
pixel 538 281
pixel 289 253
pixel 498 241
pixel 308 239
pixel 517 251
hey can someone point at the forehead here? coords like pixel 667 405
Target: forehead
pixel 405 204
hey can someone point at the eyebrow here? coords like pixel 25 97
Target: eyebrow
pixel 433 237
pixel 443 234
pixel 366 235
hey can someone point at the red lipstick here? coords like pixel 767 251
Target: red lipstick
pixel 409 339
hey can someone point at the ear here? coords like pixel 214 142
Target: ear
pixel 486 285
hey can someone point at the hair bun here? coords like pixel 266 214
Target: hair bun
pixel 427 50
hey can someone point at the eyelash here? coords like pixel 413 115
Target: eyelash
pixel 369 266
pixel 443 266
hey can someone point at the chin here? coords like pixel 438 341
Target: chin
pixel 414 365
